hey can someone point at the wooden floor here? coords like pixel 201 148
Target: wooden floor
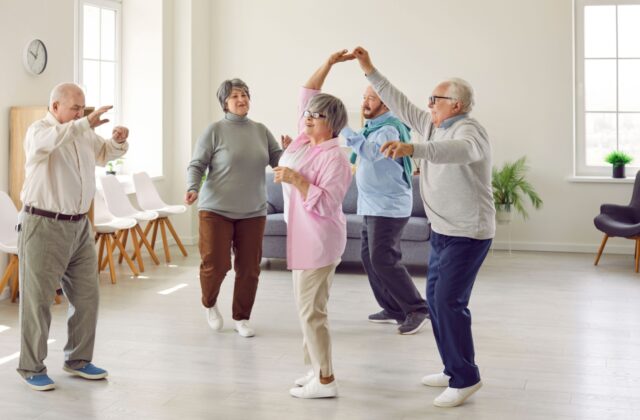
pixel 556 338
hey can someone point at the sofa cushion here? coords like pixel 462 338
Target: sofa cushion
pixel 417 229
pixel 350 202
pixel 354 225
pixel 275 225
pixel 275 202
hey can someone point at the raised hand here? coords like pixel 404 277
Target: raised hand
pixel 339 57
pixel 396 149
pixel 190 197
pixel 363 59
pixel 285 140
pixel 120 134
pixel 95 118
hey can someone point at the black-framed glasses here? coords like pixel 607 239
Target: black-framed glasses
pixel 314 115
pixel 433 98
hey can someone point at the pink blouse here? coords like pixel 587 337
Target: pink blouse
pixel 316 227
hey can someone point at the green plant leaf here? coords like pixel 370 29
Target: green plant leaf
pixel 511 188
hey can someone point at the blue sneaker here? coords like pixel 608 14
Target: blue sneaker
pixel 88 371
pixel 40 382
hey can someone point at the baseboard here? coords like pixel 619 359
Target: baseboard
pixel 563 247
pixel 515 246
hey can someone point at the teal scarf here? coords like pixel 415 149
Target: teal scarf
pixel 404 137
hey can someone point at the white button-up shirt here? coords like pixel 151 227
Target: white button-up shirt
pixel 60 164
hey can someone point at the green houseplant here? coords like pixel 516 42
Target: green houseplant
pixel 618 159
pixel 113 166
pixel 511 188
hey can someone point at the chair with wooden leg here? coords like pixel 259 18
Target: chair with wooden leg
pixel 9 243
pixel 108 233
pixel 621 221
pixel 119 206
pixel 149 199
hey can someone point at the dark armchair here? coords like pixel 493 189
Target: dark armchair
pixel 621 221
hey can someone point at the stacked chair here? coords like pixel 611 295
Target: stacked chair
pixel 109 231
pixel 149 200
pixel 119 206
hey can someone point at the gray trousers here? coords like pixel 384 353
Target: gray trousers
pixel 54 252
pixel 390 281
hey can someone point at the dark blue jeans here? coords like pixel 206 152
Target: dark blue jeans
pixel 453 265
pixel 390 281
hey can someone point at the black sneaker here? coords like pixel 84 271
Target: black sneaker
pixel 414 323
pixel 383 317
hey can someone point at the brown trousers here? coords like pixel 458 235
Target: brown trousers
pixel 218 234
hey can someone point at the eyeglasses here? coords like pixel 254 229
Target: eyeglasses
pixel 432 99
pixel 314 115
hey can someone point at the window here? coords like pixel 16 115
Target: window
pixel 99 57
pixel 607 85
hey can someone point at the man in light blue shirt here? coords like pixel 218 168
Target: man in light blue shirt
pixel 385 201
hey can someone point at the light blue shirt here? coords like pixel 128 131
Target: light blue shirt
pixel 382 189
pixel 449 121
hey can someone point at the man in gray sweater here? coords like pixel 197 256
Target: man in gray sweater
pixel 455 184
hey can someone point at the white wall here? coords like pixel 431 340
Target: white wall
pixel 20 23
pixel 142 73
pixel 517 55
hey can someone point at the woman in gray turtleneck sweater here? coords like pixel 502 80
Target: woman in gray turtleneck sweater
pixel 232 202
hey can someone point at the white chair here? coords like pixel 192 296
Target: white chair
pixel 149 199
pixel 109 231
pixel 119 205
pixel 9 243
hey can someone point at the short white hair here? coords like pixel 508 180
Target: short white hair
pixel 462 91
pixel 61 90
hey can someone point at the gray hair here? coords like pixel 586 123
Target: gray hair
pixel 462 91
pixel 225 90
pixel 333 108
pixel 61 91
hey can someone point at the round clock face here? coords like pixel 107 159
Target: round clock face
pixel 35 57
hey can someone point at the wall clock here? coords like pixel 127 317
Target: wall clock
pixel 35 57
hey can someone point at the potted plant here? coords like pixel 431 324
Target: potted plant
pixel 113 166
pixel 618 159
pixel 510 189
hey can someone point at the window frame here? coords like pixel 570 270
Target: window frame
pixel 115 5
pixel 580 166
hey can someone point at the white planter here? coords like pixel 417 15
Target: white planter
pixel 503 217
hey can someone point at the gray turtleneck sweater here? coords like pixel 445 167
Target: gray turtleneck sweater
pixel 236 150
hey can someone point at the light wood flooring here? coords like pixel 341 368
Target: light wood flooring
pixel 556 338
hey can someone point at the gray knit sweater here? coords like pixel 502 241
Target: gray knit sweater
pixel 236 150
pixel 455 167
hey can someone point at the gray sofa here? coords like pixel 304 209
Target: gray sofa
pixel 414 242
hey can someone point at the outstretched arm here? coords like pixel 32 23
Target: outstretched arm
pixel 317 78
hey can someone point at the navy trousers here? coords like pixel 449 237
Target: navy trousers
pixel 453 265
pixel 390 281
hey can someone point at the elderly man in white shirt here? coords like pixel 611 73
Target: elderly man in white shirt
pixel 56 242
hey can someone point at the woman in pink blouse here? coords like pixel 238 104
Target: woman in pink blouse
pixel 316 175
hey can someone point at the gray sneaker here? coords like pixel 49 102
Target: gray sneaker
pixel 383 317
pixel 414 323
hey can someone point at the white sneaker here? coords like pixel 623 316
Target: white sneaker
pixel 214 318
pixel 452 397
pixel 305 379
pixel 315 389
pixel 244 329
pixel 437 379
